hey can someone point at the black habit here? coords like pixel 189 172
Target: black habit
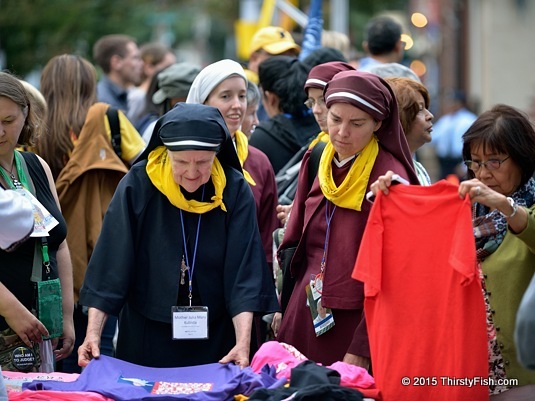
pixel 135 269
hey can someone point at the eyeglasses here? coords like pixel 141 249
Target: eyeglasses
pixel 489 164
pixel 310 103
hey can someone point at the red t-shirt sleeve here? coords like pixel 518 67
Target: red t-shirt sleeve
pixel 368 266
pixel 463 256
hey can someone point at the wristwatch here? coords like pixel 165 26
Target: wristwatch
pixel 513 205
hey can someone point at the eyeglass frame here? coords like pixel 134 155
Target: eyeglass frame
pixel 485 164
pixel 310 103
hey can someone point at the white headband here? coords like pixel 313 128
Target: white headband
pixel 354 97
pixel 192 143
pixel 315 81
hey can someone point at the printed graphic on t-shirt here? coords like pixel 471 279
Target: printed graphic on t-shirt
pixel 162 387
pixel 180 388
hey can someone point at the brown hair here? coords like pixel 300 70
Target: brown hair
pixel 13 89
pixel 406 91
pixel 503 129
pixel 38 104
pixel 107 47
pixel 153 53
pixel 68 84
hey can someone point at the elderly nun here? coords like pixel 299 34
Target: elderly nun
pixel 179 254
pixel 223 85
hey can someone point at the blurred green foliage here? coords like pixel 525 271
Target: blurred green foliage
pixel 33 31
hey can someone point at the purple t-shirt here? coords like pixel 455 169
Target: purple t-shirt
pixel 121 380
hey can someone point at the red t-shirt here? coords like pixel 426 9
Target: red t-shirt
pixel 424 305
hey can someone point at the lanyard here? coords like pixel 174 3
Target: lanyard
pixel 46 258
pixel 24 183
pixel 192 264
pixel 328 217
pixel 11 180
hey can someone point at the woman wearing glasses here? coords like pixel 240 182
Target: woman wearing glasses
pixel 498 150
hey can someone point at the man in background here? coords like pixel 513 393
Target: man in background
pixel 155 56
pixel 267 42
pixel 448 134
pixel 382 43
pixel 271 41
pixel 120 60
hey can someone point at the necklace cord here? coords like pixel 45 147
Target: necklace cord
pixel 10 171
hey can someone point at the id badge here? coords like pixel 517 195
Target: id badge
pixel 316 285
pixel 43 220
pixel 190 322
pixel 322 318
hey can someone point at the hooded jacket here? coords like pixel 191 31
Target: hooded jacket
pixel 85 187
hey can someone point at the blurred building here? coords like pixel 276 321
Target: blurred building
pixel 480 46
pixel 500 53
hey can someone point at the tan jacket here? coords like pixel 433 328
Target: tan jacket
pixel 85 188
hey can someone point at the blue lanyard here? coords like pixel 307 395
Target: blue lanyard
pixel 190 270
pixel 328 217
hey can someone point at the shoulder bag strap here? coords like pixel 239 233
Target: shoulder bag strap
pixel 113 119
pixel 314 164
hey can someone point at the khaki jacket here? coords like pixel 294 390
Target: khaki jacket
pixel 85 187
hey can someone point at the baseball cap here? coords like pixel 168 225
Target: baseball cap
pixel 175 81
pixel 274 40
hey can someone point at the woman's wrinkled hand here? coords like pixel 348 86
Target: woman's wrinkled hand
pixel 239 355
pixel 477 191
pixel 89 350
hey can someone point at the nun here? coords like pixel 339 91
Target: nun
pixel 328 220
pixel 179 253
pixel 223 85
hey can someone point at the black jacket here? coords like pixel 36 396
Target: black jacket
pixel 281 137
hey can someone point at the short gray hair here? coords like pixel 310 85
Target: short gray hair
pixel 393 70
pixel 253 94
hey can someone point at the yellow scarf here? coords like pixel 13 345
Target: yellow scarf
pixel 350 193
pixel 160 173
pixel 322 137
pixel 242 149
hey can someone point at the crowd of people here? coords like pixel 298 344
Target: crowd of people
pixel 150 199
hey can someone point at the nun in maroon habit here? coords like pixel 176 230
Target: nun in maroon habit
pixel 328 220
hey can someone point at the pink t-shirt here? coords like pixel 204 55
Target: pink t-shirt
pixel 285 357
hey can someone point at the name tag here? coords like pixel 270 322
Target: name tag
pixel 43 220
pixel 190 322
pixel 322 317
